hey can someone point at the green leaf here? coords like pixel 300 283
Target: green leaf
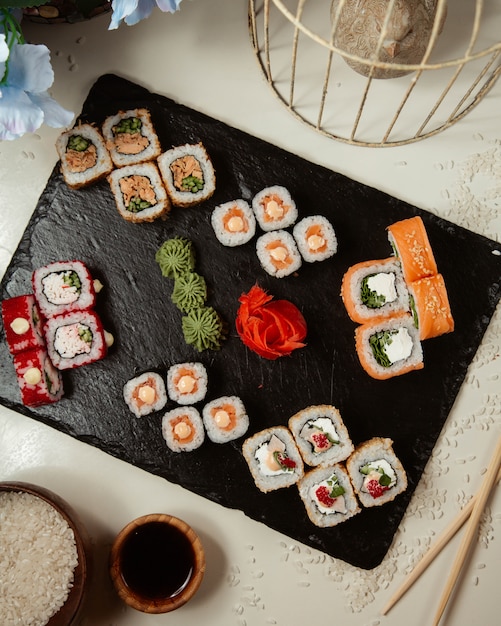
pixel 385 480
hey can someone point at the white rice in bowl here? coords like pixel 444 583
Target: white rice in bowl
pixel 38 557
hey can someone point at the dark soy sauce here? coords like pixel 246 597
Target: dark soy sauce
pixel 157 561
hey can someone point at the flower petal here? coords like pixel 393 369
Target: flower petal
pixel 30 68
pixel 4 52
pixel 168 6
pixel 54 114
pixel 121 8
pixel 143 10
pixel 18 114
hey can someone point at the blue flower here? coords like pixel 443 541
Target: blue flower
pixel 133 11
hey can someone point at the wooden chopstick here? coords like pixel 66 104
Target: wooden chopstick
pixel 434 550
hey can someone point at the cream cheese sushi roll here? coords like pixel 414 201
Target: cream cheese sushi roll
pixel 274 208
pixel 321 436
pixel 234 223
pixel 376 473
pixel 328 496
pixel 225 419
pixel 187 383
pixel 188 174
pixel 409 241
pixel 273 459
pixel 145 394
pixel 84 156
pixel 315 238
pixel 182 429
pixel 130 137
pixel 278 254
pixel 139 193
pixel 430 307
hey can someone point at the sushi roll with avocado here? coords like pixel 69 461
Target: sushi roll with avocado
pixel 390 347
pixel 321 436
pixel 376 473
pixel 225 419
pixel 187 383
pixel 274 208
pixel 315 238
pixel 188 174
pixel 234 223
pixel 182 429
pixel 62 287
pixel 139 193
pixel 84 156
pixel 328 496
pixel 130 137
pixel 278 254
pixel 273 459
pixel 430 307
pixel 39 381
pixel 374 290
pixel 22 323
pixel 145 394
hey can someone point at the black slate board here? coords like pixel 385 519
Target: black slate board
pixel 135 306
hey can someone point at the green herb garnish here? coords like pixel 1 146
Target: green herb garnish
pixel 371 299
pixel 378 342
pixel 336 489
pixel 415 317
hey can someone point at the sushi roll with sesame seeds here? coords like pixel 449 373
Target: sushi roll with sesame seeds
pixel 278 254
pixel 182 429
pixel 130 137
pixel 225 419
pixel 145 394
pixel 315 238
pixel 22 323
pixel 234 223
pixel 430 307
pixel 39 381
pixel 274 208
pixel 187 383
pixel 409 241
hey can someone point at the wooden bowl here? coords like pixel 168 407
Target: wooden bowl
pixel 71 609
pixel 157 563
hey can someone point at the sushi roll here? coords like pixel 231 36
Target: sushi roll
pixel 315 238
pixel 39 381
pixel 390 347
pixel 75 339
pixel 374 290
pixel 278 254
pixel 328 496
pixel 22 323
pixel 62 287
pixel 225 419
pixel 376 473
pixel 274 208
pixel 84 156
pixel 182 429
pixel 139 193
pixel 410 243
pixel 234 223
pixel 187 383
pixel 145 394
pixel 273 459
pixel 321 436
pixel 430 307
pixel 130 137
pixel 188 174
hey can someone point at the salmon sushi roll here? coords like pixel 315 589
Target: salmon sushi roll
pixel 234 223
pixel 130 137
pixel 389 347
pixel 411 245
pixel 374 290
pixel 225 419
pixel 315 238
pixel 39 381
pixel 274 208
pixel 187 383
pixel 145 394
pixel 278 254
pixel 430 307
pixel 182 429
pixel 22 323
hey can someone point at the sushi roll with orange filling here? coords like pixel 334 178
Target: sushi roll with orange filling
pixel 187 383
pixel 430 306
pixel 234 223
pixel 411 245
pixel 225 419
pixel 315 238
pixel 278 254
pixel 182 429
pixel 39 381
pixel 145 394
pixel 274 208
pixel 22 323
pixel 130 137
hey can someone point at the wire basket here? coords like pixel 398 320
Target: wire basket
pixel 329 76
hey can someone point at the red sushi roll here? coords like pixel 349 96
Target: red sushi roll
pixel 39 381
pixel 22 323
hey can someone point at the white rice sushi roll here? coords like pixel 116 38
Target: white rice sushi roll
pixel 75 339
pixel 278 254
pixel 315 238
pixel 182 429
pixel 234 223
pixel 130 137
pixel 376 473
pixel 274 208
pixel 225 419
pixel 145 394
pixel 62 287
pixel 321 436
pixel 187 383
pixel 328 495
pixel 273 459
pixel 188 174
pixel 84 156
pixel 139 193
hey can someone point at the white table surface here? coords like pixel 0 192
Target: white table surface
pixel 256 576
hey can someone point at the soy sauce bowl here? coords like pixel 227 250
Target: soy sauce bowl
pixel 157 563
